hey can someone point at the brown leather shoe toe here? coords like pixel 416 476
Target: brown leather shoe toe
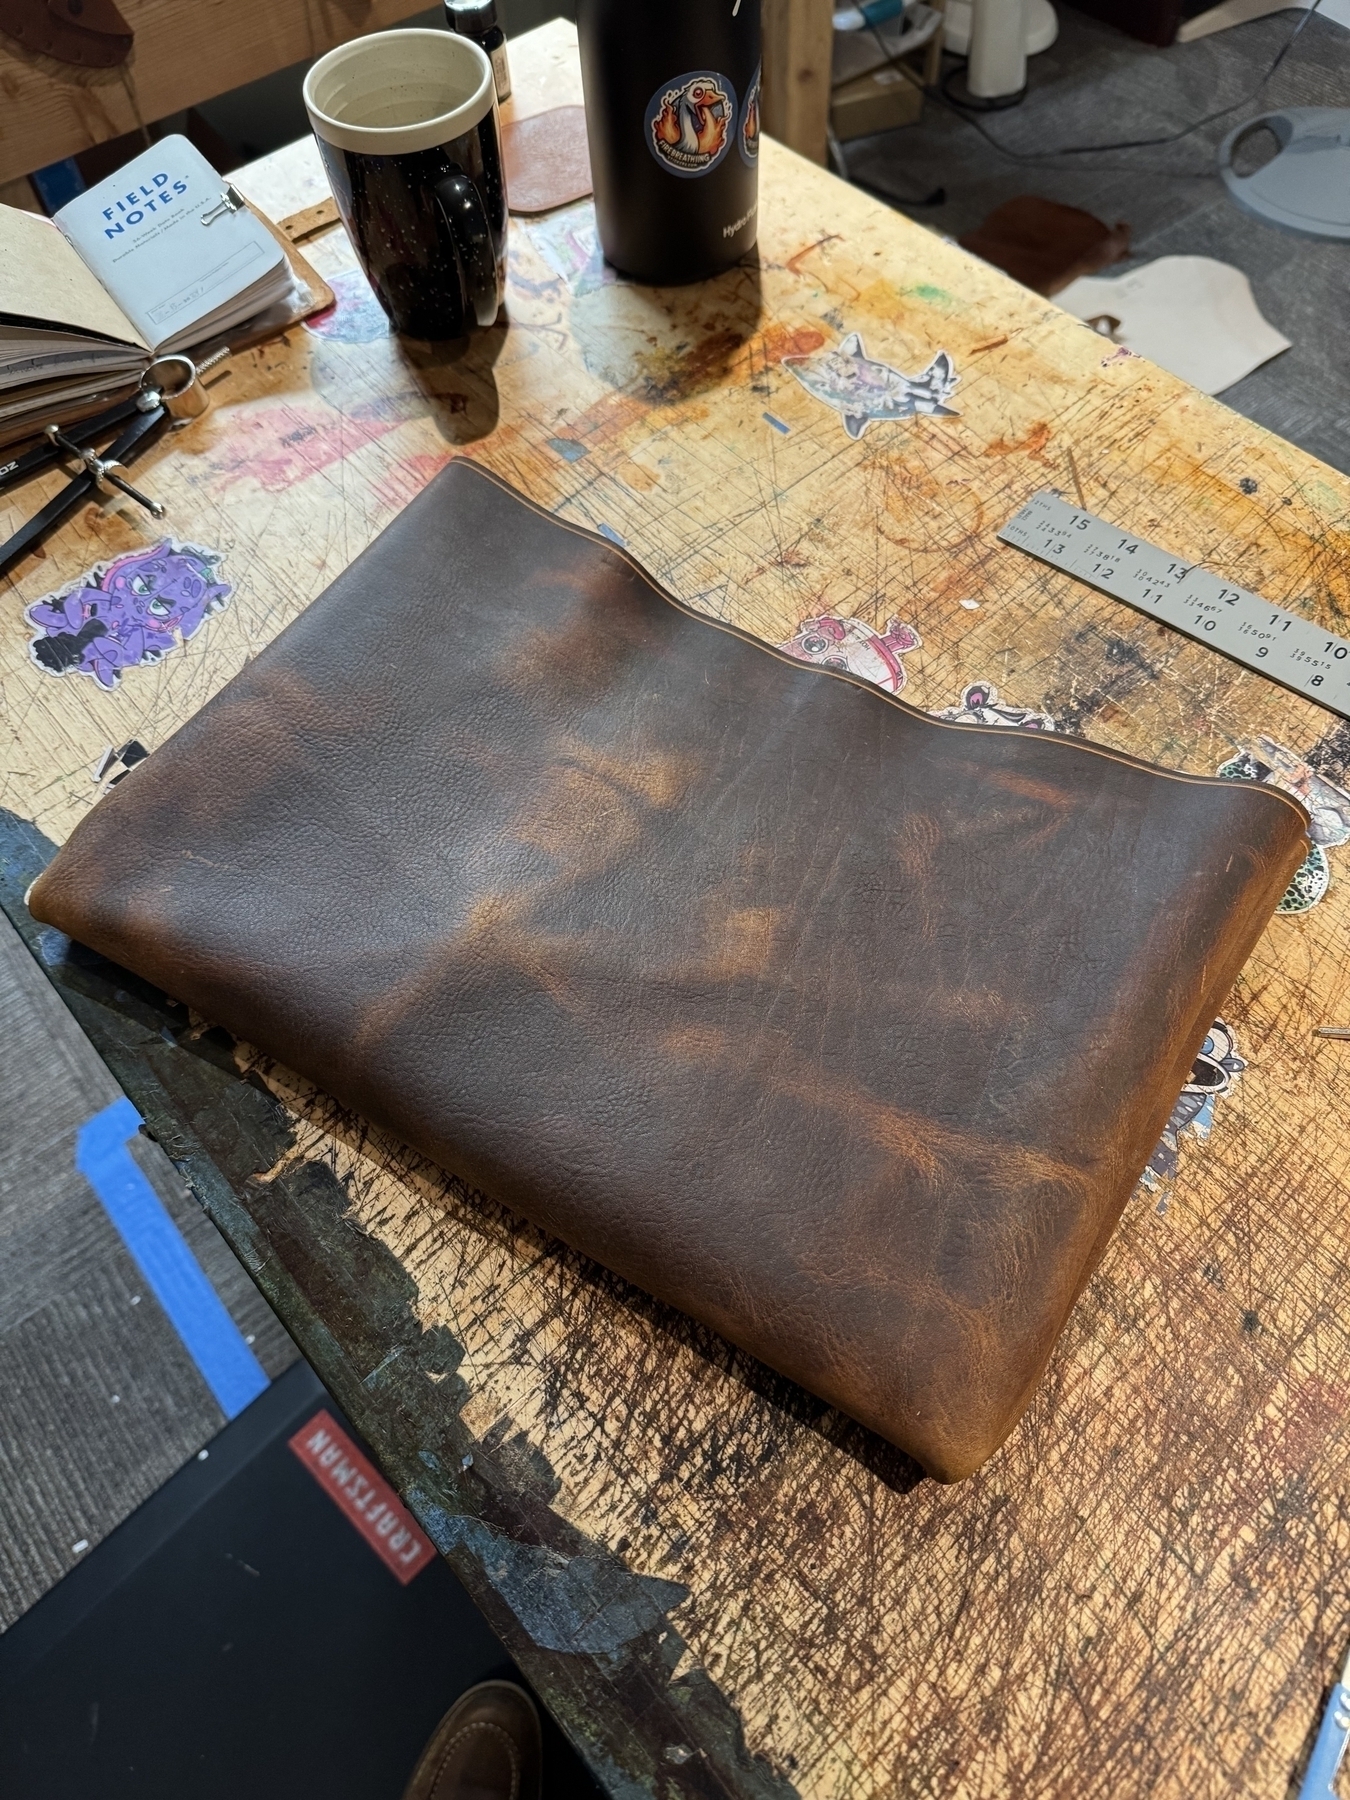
pixel 485 1748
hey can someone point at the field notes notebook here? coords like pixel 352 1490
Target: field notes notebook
pixel 153 260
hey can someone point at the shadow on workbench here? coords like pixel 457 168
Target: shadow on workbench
pixel 597 1635
pixel 237 1636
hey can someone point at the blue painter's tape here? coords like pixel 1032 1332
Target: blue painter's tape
pixel 211 1337
pixel 1320 1777
pixel 608 531
pixel 778 424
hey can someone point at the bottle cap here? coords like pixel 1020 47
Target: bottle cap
pixel 471 18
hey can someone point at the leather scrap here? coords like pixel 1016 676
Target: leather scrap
pixel 309 220
pixel 1044 244
pixel 88 34
pixel 548 162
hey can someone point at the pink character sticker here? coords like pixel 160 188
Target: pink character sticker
pixel 849 644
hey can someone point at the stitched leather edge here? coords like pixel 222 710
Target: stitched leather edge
pixel 1079 745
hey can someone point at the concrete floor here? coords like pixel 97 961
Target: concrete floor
pixel 1097 86
pixel 102 1401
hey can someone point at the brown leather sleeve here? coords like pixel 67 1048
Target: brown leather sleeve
pixel 846 1030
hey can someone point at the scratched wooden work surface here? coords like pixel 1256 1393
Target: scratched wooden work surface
pixel 719 1586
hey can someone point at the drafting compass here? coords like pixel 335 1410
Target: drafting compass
pixel 170 389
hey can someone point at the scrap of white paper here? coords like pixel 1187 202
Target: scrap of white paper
pixel 1189 314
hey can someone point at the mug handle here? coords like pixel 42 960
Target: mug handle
pixel 467 221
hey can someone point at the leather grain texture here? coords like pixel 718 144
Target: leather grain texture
pixel 547 158
pixel 846 1030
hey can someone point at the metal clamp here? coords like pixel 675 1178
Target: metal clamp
pixel 231 201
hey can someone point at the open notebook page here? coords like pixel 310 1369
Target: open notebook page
pixel 44 281
pixel 29 354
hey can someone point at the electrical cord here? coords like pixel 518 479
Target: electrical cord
pixel 1173 137
pixel 973 103
pixel 938 195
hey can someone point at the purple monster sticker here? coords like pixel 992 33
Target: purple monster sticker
pixel 127 613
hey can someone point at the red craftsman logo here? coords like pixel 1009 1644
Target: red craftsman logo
pixel 365 1497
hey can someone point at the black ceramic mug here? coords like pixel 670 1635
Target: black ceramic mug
pixel 406 123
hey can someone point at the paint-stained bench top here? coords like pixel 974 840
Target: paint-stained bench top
pixel 719 1587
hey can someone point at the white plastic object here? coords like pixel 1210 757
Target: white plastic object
pixel 1305 187
pixel 1042 24
pixel 997 65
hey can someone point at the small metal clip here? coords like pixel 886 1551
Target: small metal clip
pixel 231 201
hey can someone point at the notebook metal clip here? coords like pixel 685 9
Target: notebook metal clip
pixel 175 381
pixel 231 201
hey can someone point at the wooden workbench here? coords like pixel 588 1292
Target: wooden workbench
pixel 719 1586
pixel 185 51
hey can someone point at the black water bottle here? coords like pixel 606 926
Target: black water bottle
pixel 672 115
pixel 477 19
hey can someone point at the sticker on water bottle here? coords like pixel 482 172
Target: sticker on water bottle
pixel 748 135
pixel 690 122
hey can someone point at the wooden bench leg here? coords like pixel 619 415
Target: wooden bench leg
pixel 798 40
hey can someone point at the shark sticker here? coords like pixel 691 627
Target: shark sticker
pixel 1328 810
pixel 1212 1074
pixel 862 390
pixel 848 644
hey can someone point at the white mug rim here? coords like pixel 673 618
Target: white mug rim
pixel 400 140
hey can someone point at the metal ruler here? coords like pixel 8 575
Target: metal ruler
pixel 1282 645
